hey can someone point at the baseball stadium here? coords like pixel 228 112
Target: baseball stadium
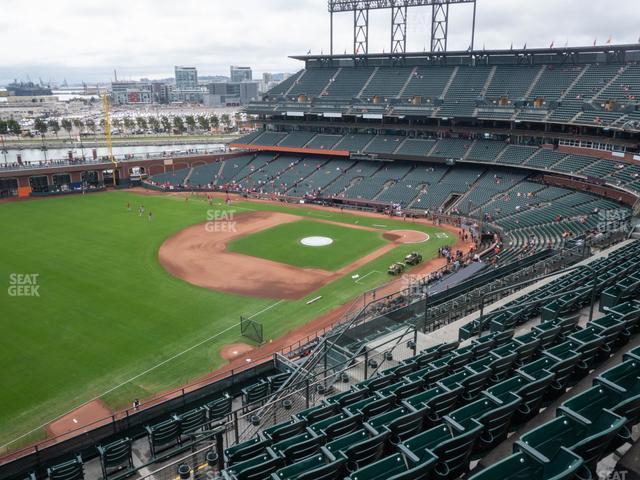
pixel 417 265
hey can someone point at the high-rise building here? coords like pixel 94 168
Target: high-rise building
pixel 240 74
pixel 186 78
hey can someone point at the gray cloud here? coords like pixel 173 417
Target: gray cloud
pixel 87 40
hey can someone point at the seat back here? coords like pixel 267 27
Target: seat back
pixel 407 426
pixel 453 454
pixel 443 403
pixel 365 452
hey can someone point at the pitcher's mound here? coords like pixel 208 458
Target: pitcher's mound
pixel 234 350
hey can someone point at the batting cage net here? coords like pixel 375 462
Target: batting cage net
pixel 251 329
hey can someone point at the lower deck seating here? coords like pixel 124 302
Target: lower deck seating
pixel 431 414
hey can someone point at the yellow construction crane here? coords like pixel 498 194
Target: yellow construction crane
pixel 107 129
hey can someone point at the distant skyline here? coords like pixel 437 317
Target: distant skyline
pixel 86 41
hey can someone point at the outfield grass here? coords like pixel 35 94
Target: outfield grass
pixel 282 244
pixel 107 310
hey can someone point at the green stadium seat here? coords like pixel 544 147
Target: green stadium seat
pixel 633 354
pixel 71 470
pixel 370 407
pixel 350 396
pixel 461 357
pixel 219 409
pixel 163 435
pixel 502 365
pixel 313 468
pixel 532 391
pixel 284 430
pixel 193 421
pixel 622 378
pixel 115 457
pixel 255 468
pixel 396 467
pixel 483 345
pixel 591 442
pixel 319 412
pixel 255 394
pixel 401 423
pixel 628 312
pixel 452 448
pixel 318 467
pixel 520 466
pixel 333 448
pixel 437 400
pixel 246 450
pixel 562 363
pixel 548 333
pixel 365 452
pixel 377 382
pixel 589 343
pixel 622 291
pixel 298 447
pixel 568 325
pixel 612 330
pixel 404 390
pixel 495 417
pixel 529 345
pixel 337 426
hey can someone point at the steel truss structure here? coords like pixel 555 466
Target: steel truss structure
pixel 360 8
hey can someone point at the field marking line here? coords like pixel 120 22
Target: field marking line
pixel 365 276
pixel 122 384
pixel 265 309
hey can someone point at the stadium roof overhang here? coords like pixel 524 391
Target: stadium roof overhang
pixel 618 52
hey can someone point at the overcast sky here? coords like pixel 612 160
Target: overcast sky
pixel 88 39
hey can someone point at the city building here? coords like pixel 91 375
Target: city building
pixel 186 78
pixel 131 92
pixel 161 92
pixel 231 93
pixel 240 74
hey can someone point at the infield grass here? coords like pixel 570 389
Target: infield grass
pixel 282 243
pixel 107 311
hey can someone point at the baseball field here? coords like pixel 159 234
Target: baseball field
pixel 97 305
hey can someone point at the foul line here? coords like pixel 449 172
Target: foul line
pixel 122 384
pixel 265 309
pixel 365 276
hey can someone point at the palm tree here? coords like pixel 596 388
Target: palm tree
pixel 91 125
pixel 67 125
pixel 203 122
pixel 154 123
pixel 214 121
pixel 41 126
pixel 129 124
pixel 225 120
pixel 54 126
pixel 14 127
pixel 116 123
pixel 178 124
pixel 191 122
pixel 79 124
pixel 166 124
pixel 142 123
